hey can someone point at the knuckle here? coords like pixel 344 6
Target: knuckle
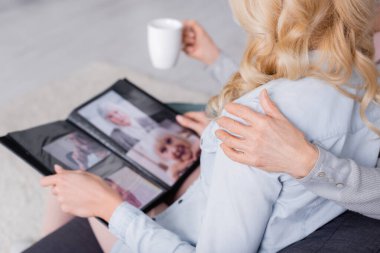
pixel 266 123
pixel 234 158
pixel 253 161
pixel 64 208
pixel 226 139
pixel 221 121
pixel 262 125
pixel 257 142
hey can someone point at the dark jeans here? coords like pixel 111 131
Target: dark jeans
pixel 348 233
pixel 74 237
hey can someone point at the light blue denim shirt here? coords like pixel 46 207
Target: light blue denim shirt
pixel 349 184
pixel 236 208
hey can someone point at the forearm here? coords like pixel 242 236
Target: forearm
pixel 222 69
pixel 142 234
pixel 343 181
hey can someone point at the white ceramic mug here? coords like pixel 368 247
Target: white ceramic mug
pixel 164 42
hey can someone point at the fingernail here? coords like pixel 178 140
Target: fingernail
pixel 179 117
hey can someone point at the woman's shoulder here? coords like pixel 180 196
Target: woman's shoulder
pixel 312 105
pixel 293 91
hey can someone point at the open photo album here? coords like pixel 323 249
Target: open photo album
pixel 123 135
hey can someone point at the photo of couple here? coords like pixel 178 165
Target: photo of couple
pixel 77 151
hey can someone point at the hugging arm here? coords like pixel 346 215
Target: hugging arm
pixel 345 182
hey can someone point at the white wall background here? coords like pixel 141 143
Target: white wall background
pixel 46 40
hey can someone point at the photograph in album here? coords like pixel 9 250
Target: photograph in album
pixel 77 151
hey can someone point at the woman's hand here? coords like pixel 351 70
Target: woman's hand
pixel 83 194
pixel 196 121
pixel 198 44
pixel 269 142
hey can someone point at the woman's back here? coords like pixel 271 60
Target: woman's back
pixel 305 54
pixel 280 210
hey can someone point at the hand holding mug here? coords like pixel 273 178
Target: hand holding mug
pixel 198 44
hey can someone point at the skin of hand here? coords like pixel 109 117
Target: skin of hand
pixel 268 141
pixel 198 44
pixel 82 194
pixel 196 121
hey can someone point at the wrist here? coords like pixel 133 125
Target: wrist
pixel 307 161
pixel 213 56
pixel 109 207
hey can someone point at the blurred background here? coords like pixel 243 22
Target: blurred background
pixel 46 40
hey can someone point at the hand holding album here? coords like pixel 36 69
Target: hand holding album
pixel 82 194
pixel 124 136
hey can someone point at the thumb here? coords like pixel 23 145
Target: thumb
pixel 189 123
pixel 58 169
pixel 268 106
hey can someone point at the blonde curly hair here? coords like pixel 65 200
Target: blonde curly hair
pixel 281 35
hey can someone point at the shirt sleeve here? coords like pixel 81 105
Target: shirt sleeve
pixel 343 181
pixel 222 69
pixel 141 234
pixel 240 204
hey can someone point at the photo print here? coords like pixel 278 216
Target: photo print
pixel 77 151
pixel 119 119
pixel 132 187
pixel 167 151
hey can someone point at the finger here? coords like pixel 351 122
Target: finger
pixel 188 33
pixel 245 113
pixel 233 126
pixel 190 23
pixel 268 106
pixel 189 49
pixel 197 116
pixel 49 181
pixel 233 154
pixel 65 209
pixel 189 123
pixel 230 140
pixel 189 41
pixel 54 191
pixel 194 26
pixel 58 169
